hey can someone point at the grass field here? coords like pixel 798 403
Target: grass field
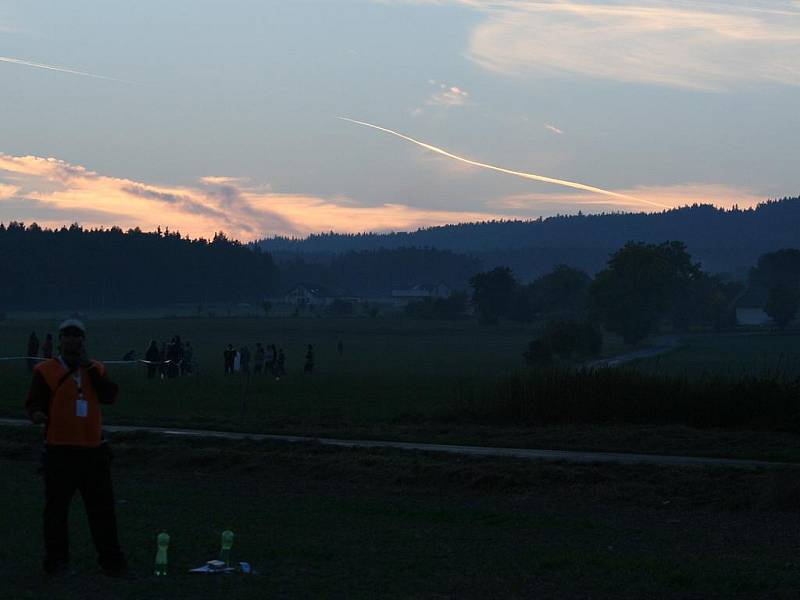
pixel 732 354
pixel 390 367
pixel 344 523
pixel 398 378
pixel 341 523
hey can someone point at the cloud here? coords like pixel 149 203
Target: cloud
pixel 8 191
pixel 54 192
pixel 720 195
pixel 221 180
pixel 28 210
pixel 553 128
pixel 699 45
pixel 448 97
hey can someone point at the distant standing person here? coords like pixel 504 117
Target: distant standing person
pixel 152 356
pixel 229 355
pixel 309 366
pixel 258 358
pixel 65 396
pixel 33 350
pixel 188 359
pixel 47 346
pixel 245 359
pixel 270 360
pixel 280 367
pixel 237 361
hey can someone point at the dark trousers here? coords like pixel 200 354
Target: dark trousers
pixel 87 470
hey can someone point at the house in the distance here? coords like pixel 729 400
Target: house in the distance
pixel 304 294
pixel 422 291
pixel 750 307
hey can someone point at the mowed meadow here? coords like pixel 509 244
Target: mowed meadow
pixel 390 368
pixel 320 521
pixel 727 394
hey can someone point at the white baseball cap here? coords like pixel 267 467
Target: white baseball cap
pixel 72 324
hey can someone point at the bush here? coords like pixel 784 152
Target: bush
pixel 564 340
pixel 538 354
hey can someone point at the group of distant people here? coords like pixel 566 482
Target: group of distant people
pixel 269 360
pixel 35 347
pixel 172 359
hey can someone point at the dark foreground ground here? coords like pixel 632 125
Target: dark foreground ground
pixel 342 523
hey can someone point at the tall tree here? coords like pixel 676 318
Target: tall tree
pixel 779 273
pixel 492 293
pixel 564 289
pixel 640 286
pixel 782 304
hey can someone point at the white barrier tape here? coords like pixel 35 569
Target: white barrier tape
pixel 105 362
pixel 140 360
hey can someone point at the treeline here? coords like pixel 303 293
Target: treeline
pixel 375 273
pixel 72 267
pixel 644 289
pixel 722 240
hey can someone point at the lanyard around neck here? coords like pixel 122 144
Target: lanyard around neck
pixel 76 374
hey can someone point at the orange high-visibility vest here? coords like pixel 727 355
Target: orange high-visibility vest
pixel 64 426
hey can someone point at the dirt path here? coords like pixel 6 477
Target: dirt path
pixel 525 453
pixel 662 345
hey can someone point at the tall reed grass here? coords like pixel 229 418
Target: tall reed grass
pixel 767 401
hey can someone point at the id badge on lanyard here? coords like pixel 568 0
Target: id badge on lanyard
pixel 81 405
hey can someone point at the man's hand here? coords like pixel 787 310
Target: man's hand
pixel 83 359
pixel 38 417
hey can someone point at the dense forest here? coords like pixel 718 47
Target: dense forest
pixel 74 267
pixel 104 268
pixel 722 240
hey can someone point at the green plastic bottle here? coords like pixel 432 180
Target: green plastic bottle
pixel 161 554
pixel 227 544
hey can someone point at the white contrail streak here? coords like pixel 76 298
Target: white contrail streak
pixel 27 63
pixel 571 184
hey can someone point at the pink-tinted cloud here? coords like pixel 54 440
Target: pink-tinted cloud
pixel 699 45
pixel 448 96
pixel 8 191
pixel 54 193
pixel 445 96
pixel 674 196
